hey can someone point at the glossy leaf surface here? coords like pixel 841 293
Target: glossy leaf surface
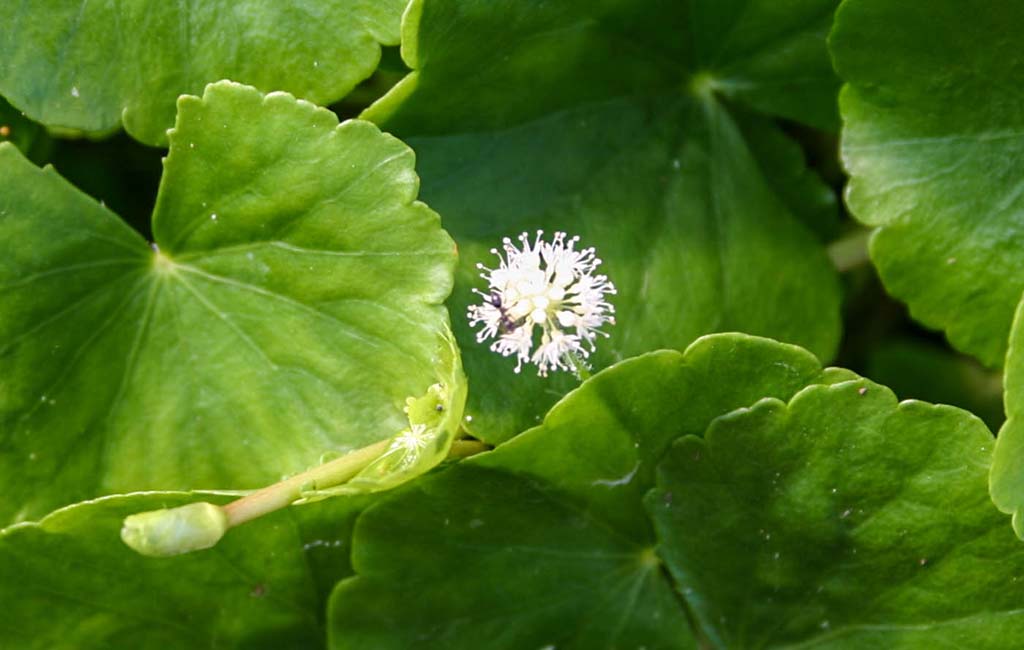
pixel 640 127
pixel 91 66
pixel 932 140
pixel 544 541
pixel 291 309
pixel 69 582
pixel 840 520
pixel 1007 477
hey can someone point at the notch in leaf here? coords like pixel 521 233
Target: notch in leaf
pixel 290 305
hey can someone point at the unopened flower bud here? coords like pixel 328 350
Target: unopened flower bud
pixel 173 531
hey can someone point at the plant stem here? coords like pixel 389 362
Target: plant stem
pixel 850 251
pixel 284 493
pixel 277 496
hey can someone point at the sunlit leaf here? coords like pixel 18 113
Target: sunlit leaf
pixel 292 307
pixel 932 141
pixel 91 66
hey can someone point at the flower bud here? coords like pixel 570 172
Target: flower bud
pixel 161 533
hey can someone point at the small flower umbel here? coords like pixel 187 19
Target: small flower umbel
pixel 549 285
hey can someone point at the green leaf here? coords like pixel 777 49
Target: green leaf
pixel 632 135
pixel 69 582
pixel 798 186
pixel 1006 480
pixel 480 558
pixel 92 66
pixel 840 520
pixel 764 53
pixel 292 308
pixel 932 141
pixel 544 542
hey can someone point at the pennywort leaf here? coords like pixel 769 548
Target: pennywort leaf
pixel 544 541
pixel 92 66
pixel 932 141
pixel 635 135
pixel 840 520
pixel 289 307
pixel 70 583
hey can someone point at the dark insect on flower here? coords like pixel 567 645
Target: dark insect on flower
pixel 505 322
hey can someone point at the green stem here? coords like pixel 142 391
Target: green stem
pixel 199 525
pixel 282 494
pixel 850 251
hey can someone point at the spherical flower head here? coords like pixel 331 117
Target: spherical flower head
pixel 550 287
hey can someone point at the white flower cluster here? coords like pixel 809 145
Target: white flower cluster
pixel 413 439
pixel 550 285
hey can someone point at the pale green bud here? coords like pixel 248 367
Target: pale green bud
pixel 161 533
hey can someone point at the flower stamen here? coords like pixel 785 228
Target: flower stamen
pixel 547 285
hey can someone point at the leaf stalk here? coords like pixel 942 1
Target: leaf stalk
pixel 284 493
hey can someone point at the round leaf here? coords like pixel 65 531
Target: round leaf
pixel 292 307
pixel 70 583
pixel 544 542
pixel 91 66
pixel 515 566
pixel 629 136
pixel 840 520
pixel 932 143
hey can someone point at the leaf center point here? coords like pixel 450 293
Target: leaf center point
pixel 703 84
pixel 163 264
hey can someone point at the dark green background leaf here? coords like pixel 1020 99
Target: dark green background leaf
pixel 544 541
pixel 91 66
pixel 781 161
pixel 484 559
pixel 69 582
pixel 617 121
pixel 841 520
pixel 932 140
pixel 294 306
